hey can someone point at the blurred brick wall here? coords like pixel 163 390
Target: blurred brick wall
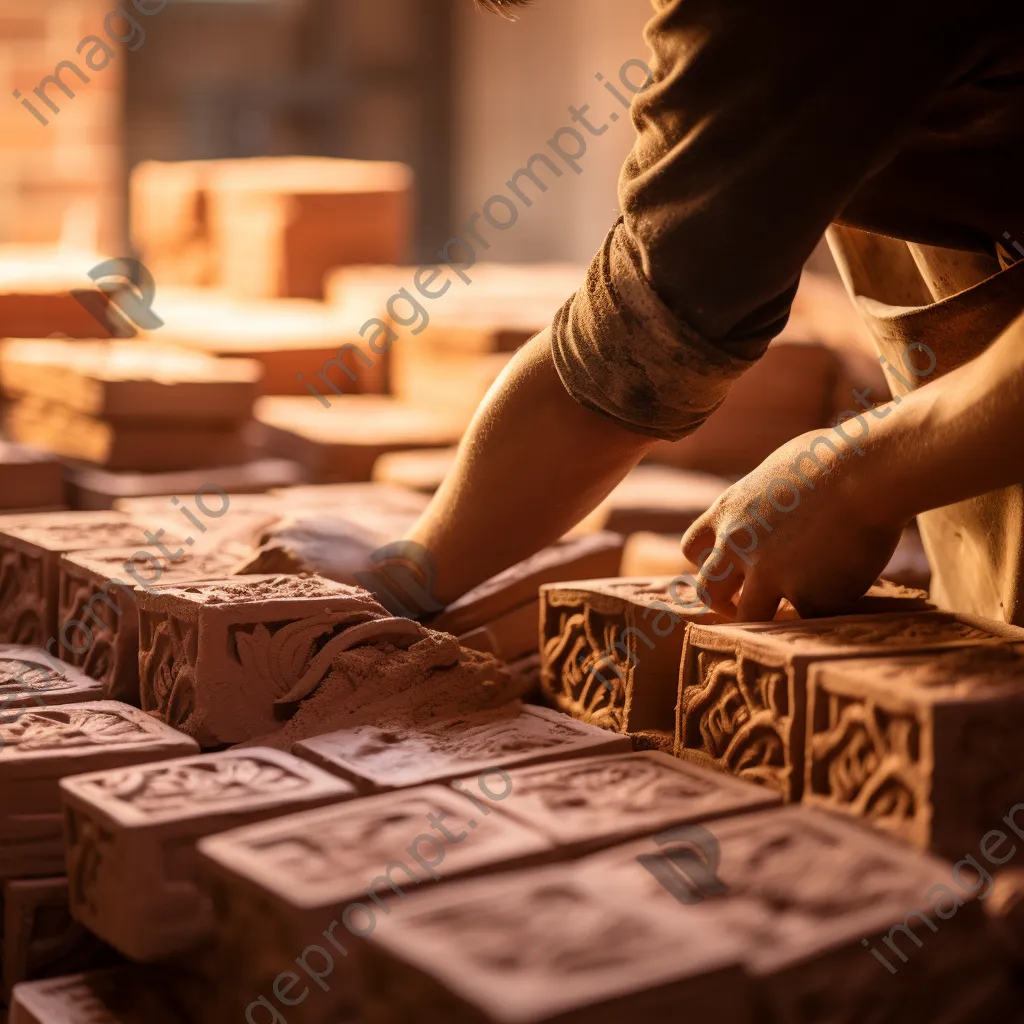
pixel 63 180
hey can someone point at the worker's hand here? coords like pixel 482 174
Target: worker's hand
pixel 801 526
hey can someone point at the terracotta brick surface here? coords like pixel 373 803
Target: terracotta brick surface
pixel 131 834
pixel 743 688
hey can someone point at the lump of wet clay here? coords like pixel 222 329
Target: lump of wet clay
pixel 587 557
pixel 592 802
pixel 123 995
pixel 30 550
pixel 828 915
pixel 547 945
pixel 131 834
pixel 40 937
pixel 39 746
pixel 215 655
pixel 377 758
pixel 29 677
pixel 743 688
pixel 611 648
pixel 280 658
pixel 334 529
pixel 329 876
pixel 98 588
pixel 924 746
pixel 29 479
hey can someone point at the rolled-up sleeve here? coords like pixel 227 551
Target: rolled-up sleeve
pixel 763 119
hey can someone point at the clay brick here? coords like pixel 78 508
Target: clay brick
pixel 418 470
pixel 279 224
pixel 96 587
pixel 743 688
pixel 313 878
pixel 40 937
pixel 126 995
pixel 98 489
pixel 549 946
pixel 657 499
pixel 210 652
pixel 123 380
pixel 292 340
pixel 132 864
pixel 30 550
pixel 924 747
pixel 29 479
pixel 31 678
pixel 36 285
pixel 377 758
pixel 593 802
pixel 41 746
pixel 611 648
pixel 592 556
pixel 800 890
pixel 341 444
pixel 139 447
pixel 452 383
pixel 510 636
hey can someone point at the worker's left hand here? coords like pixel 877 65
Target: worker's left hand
pixel 801 526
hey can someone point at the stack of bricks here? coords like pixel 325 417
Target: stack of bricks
pixel 269 227
pixel 62 178
pixel 122 407
pixel 275 833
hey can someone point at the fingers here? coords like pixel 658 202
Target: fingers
pixel 759 601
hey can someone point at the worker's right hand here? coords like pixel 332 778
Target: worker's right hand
pixel 798 527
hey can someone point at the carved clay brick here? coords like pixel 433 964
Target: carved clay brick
pixel 549 946
pixel 742 688
pixel 30 551
pixel 378 758
pixel 131 836
pixel 96 588
pixel 215 655
pixel 611 648
pixel 31 678
pixel 318 878
pixel 126 995
pixel 926 747
pixel 39 746
pixel 40 937
pixel 599 801
pixel 591 556
pixel 809 896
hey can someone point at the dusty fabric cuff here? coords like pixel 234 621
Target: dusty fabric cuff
pixel 622 353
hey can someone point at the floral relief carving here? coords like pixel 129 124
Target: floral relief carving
pixel 736 714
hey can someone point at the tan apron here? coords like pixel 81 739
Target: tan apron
pixel 956 304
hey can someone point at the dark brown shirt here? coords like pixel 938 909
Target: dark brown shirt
pixel 766 121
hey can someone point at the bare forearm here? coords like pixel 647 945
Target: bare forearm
pixel 532 464
pixel 955 438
